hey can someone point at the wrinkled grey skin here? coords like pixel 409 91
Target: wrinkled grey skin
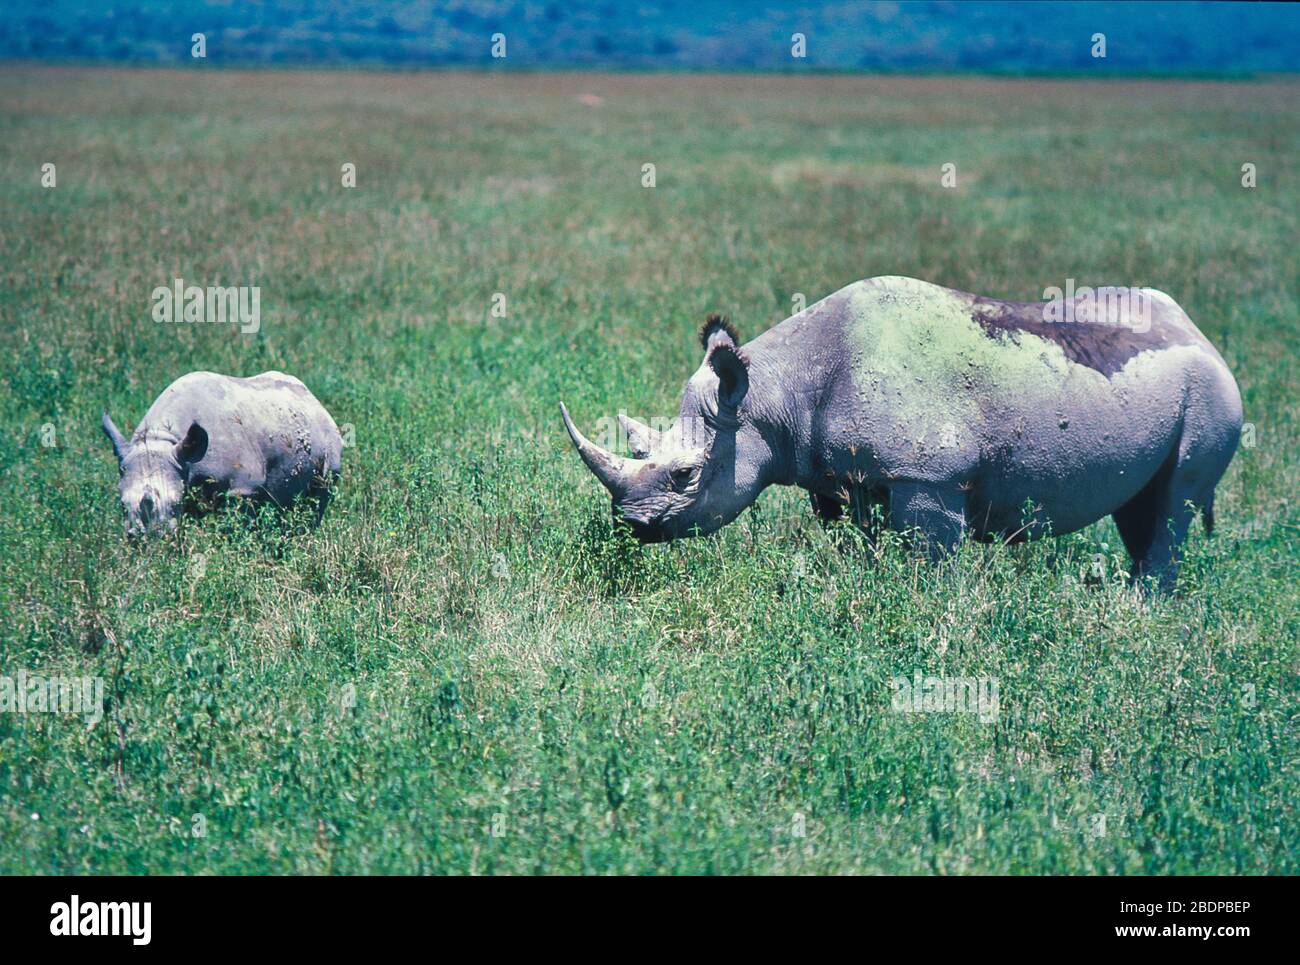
pixel 953 413
pixel 212 436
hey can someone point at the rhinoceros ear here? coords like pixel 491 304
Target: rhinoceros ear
pixel 120 445
pixel 732 370
pixel 193 447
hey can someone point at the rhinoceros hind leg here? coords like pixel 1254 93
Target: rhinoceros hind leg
pixel 1154 523
pixel 320 493
pixel 938 513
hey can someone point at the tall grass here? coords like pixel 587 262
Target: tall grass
pixel 464 669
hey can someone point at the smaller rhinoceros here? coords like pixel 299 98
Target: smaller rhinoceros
pixel 266 438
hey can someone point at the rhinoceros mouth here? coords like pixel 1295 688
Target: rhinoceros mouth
pixel 646 533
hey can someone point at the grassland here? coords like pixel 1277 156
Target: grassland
pixel 462 670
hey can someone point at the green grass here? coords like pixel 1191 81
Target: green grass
pixel 463 648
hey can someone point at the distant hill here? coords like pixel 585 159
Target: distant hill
pixel 1008 37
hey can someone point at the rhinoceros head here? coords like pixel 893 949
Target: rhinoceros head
pixel 685 480
pixel 152 473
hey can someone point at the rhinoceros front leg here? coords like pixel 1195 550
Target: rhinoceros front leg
pixel 938 512
pixel 827 509
pixel 861 506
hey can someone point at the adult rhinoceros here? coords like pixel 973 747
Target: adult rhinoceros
pixel 957 413
pixel 265 438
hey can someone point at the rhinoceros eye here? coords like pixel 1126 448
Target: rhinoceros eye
pixel 682 477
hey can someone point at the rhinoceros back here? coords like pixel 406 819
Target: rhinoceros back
pixel 267 435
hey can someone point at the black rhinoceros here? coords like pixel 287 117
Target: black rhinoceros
pixel 956 413
pixel 266 438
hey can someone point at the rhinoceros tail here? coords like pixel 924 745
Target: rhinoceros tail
pixel 1207 515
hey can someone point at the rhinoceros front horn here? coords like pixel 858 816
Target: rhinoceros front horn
pixel 614 472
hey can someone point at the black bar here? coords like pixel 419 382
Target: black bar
pixel 224 915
